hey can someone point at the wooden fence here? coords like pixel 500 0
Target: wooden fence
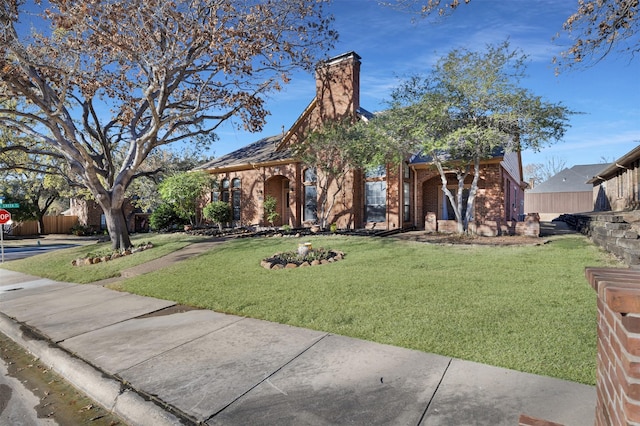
pixel 52 225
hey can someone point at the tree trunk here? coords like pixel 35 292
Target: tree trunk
pixel 40 223
pixel 117 227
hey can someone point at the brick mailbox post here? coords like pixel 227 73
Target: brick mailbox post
pixel 618 375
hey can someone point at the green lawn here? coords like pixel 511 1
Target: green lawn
pixel 56 265
pixel 527 308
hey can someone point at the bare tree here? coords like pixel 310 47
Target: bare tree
pixel 104 83
pixel 597 26
pixel 537 173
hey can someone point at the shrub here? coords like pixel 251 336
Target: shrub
pixel 270 205
pixel 218 212
pixel 165 217
pixel 80 230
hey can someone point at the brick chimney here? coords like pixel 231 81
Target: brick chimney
pixel 338 86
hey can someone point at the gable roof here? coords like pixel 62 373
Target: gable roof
pixel 610 170
pixel 263 151
pixel 269 150
pixel 574 179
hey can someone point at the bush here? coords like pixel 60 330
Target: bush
pixel 218 212
pixel 80 230
pixel 165 217
pixel 270 206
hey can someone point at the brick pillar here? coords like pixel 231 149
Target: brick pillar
pixel 618 375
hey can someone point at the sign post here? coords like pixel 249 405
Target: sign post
pixel 5 217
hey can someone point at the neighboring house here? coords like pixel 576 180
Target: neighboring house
pixel 386 198
pixel 617 186
pixel 565 192
pixel 90 214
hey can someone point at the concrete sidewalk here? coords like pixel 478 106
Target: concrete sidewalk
pixel 153 364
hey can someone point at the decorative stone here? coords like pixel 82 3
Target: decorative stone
pixel 291 266
pixel 115 256
pixel 315 262
pixel 324 262
pixel 265 264
pixel 304 264
pixel 277 266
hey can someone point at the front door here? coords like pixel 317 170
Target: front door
pixel 278 188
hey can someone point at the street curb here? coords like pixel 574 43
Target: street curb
pixel 109 393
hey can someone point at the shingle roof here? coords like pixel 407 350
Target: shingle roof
pixel 570 180
pixel 262 151
pixel 424 158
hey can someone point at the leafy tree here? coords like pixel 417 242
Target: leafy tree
pixel 182 192
pixel 335 149
pixel 218 212
pixel 162 163
pixel 467 108
pixel 597 26
pixel 35 193
pixel 101 85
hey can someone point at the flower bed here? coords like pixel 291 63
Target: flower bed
pixel 305 256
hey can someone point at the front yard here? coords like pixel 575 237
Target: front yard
pixel 527 308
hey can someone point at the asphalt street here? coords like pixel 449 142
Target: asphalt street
pixel 17 403
pixel 15 253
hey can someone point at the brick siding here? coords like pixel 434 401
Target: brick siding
pixel 618 373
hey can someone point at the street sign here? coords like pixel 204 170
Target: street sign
pixel 10 206
pixel 5 216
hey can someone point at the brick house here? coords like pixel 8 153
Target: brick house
pixel 616 186
pixel 90 214
pixel 387 198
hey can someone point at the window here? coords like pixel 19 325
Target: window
pixel 376 172
pixel 375 195
pixel 310 212
pixel 406 199
pixel 224 194
pixel 235 200
pixel 236 205
pixel 310 175
pixel 215 192
pixel 406 193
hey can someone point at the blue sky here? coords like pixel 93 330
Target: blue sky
pixel 393 45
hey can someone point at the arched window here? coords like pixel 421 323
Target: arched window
pixel 310 195
pixel 235 199
pixel 224 193
pixel 215 192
